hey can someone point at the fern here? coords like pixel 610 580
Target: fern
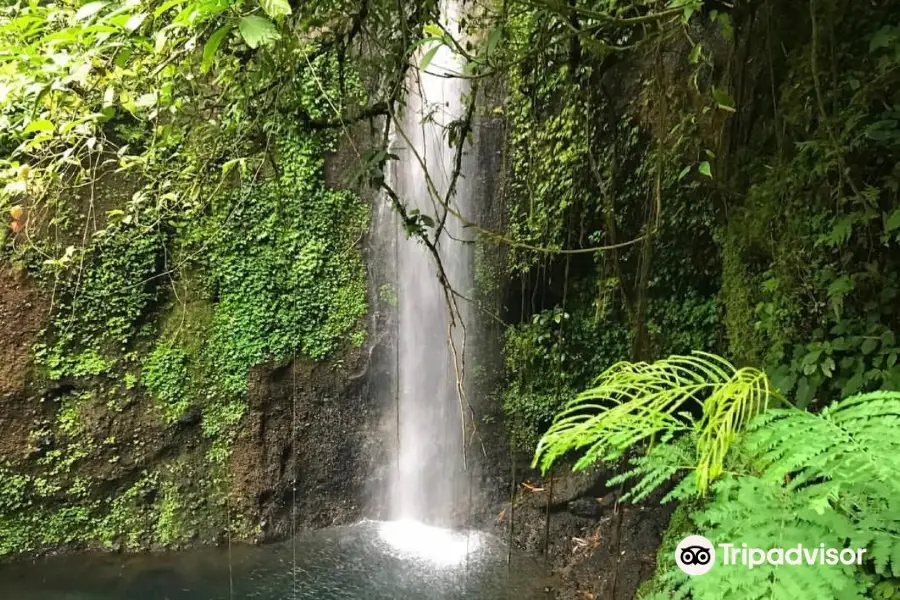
pixel 663 463
pixel 634 402
pixel 792 477
pixel 801 478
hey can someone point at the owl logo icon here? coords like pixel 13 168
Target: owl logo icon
pixel 695 555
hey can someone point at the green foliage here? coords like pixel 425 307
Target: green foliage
pixel 584 173
pixel 280 259
pixel 776 243
pixel 102 298
pixel 185 235
pixel 635 402
pixel 284 267
pixel 800 478
pixel 809 283
pixel 165 375
pixel 547 368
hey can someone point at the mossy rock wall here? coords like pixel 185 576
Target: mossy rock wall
pixel 180 381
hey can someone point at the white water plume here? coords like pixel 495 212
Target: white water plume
pixel 430 481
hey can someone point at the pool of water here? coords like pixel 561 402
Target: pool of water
pixel 368 561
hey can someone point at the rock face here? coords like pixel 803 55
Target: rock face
pixel 309 443
pixel 23 311
pixel 596 547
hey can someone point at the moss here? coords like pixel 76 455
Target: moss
pixel 266 271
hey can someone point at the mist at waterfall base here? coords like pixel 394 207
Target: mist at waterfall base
pixel 369 561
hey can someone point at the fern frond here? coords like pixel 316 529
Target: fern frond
pixel 843 461
pixel 827 477
pixel 634 402
pixel 764 513
pixel 664 462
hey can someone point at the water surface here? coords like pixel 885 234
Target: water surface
pixel 368 561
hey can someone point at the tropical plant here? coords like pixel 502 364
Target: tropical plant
pixel 777 478
pixel 798 478
pixel 634 402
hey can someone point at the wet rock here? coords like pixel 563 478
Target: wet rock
pixel 191 418
pixel 592 507
pixel 585 507
pixel 572 486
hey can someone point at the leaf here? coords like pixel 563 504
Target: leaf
pixel 160 42
pixel 166 6
pixel 258 31
pixel 493 39
pixel 705 169
pixel 805 393
pixel 276 8
pixel 882 38
pixel 893 221
pixel 38 125
pixel 727 29
pixel 229 165
pixel 723 99
pixel 869 345
pixel 827 367
pixel 684 172
pixel 147 100
pixel 89 10
pixel 135 21
pixel 429 56
pixel 696 53
pixel 433 30
pixel 212 46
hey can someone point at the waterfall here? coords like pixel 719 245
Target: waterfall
pixel 430 477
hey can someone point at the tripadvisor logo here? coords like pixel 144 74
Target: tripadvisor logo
pixel 696 555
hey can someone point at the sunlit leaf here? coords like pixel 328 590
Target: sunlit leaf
pixel 165 6
pixel 147 100
pixel 705 169
pixel 160 42
pixel 258 31
pixel 276 8
pixel 38 125
pixel 89 10
pixel 433 30
pixel 135 21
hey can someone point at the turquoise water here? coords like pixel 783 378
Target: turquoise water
pixel 369 561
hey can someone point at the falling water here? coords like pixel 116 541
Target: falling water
pixel 430 477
